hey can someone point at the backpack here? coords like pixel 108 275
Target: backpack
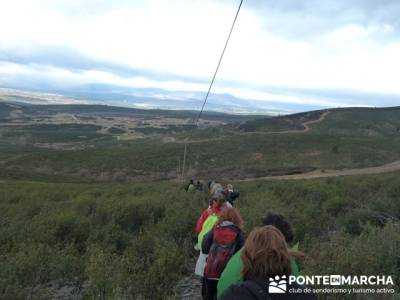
pixel 255 290
pixel 221 251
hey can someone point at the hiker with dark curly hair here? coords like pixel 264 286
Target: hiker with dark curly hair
pixel 266 264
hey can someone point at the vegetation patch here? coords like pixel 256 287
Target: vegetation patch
pixel 135 240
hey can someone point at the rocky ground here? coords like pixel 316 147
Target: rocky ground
pixel 189 287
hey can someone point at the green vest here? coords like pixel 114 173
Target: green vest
pixel 191 188
pixel 207 226
pixel 233 270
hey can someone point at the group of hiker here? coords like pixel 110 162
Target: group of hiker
pixel 232 267
pixel 215 188
pixel 192 187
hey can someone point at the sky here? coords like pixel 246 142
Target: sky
pixel 301 53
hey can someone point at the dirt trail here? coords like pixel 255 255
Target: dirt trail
pixel 75 118
pixel 320 119
pixel 306 129
pixel 11 159
pixel 391 167
pixel 189 287
pixel 306 126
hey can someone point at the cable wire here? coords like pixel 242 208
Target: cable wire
pixel 219 63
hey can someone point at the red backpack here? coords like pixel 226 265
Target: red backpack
pixel 221 251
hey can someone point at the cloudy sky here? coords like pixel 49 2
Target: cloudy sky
pixel 303 53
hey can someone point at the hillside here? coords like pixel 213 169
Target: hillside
pixel 199 150
pixel 28 110
pixel 280 123
pixel 142 98
pixel 79 217
pixel 125 146
pixel 112 241
pixel 372 122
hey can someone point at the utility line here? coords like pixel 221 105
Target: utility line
pixel 219 63
pixel 211 84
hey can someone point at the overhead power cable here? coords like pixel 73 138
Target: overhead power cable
pixel 219 63
pixel 211 84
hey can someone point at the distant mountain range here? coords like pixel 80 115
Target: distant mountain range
pixel 149 98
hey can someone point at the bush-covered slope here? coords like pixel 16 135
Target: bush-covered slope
pixel 371 122
pixel 280 123
pixel 345 138
pixel 107 241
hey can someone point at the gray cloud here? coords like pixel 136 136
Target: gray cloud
pixel 108 92
pixel 356 98
pixel 300 19
pixel 73 60
pixel 290 18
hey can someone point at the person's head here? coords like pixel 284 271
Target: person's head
pixel 232 215
pixel 191 181
pixel 229 187
pixel 281 223
pixel 219 200
pixel 265 254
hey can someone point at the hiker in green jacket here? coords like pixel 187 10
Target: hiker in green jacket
pixel 190 187
pixel 232 273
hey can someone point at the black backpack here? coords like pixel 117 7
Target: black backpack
pixel 256 290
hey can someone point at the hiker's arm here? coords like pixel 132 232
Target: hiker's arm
pixel 207 242
pixel 235 195
pixel 200 222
